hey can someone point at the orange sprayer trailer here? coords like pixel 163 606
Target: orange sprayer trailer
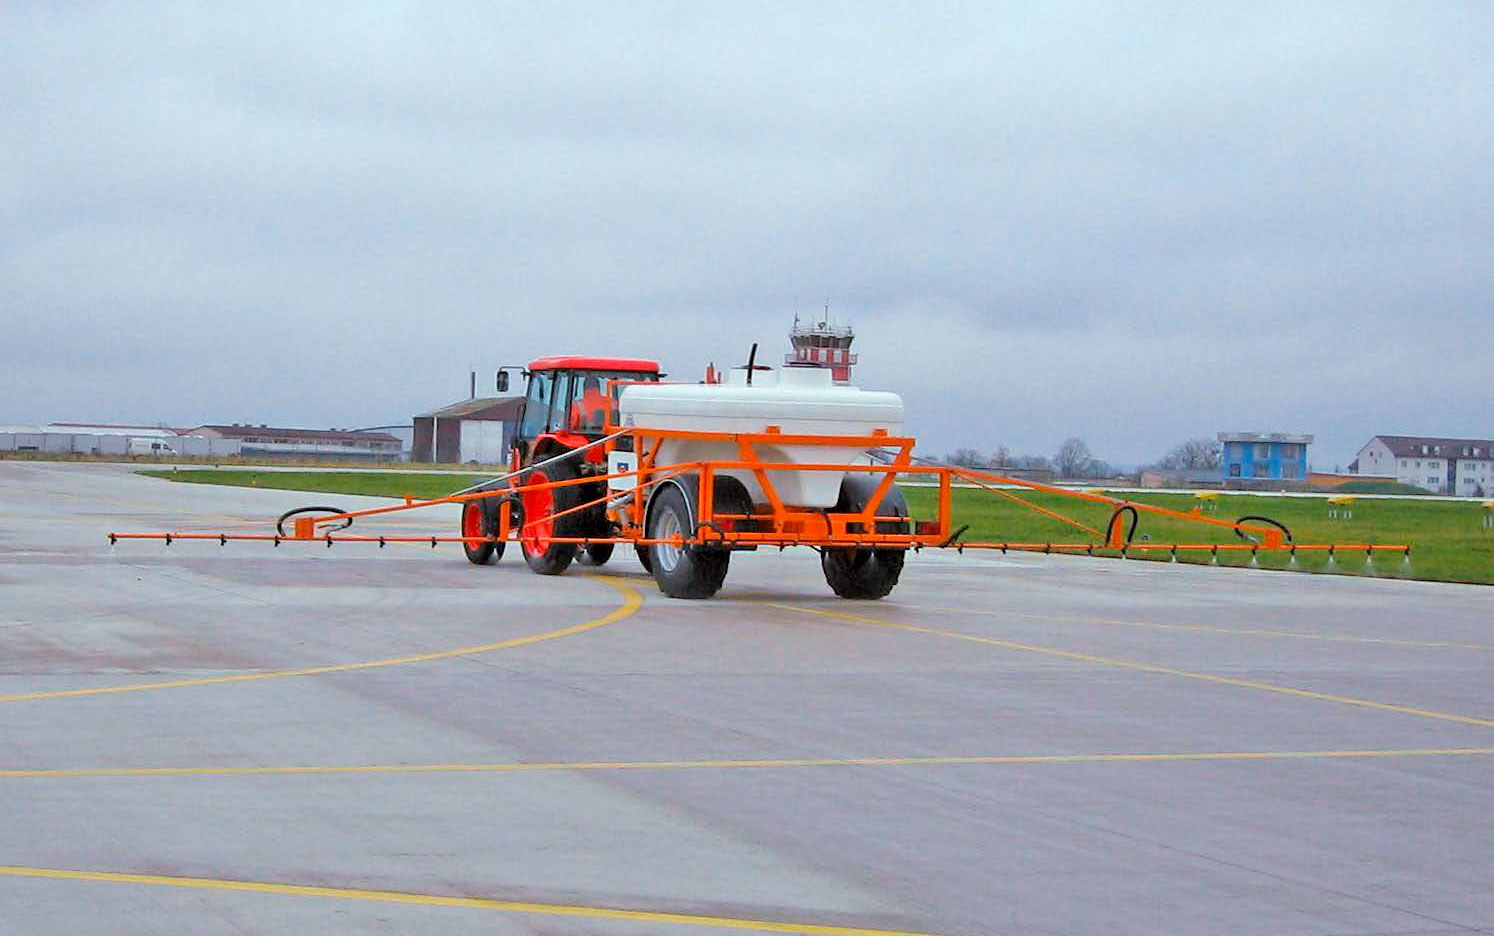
pixel 608 454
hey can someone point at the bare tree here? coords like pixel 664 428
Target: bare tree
pixel 1193 455
pixel 1002 456
pixel 965 458
pixel 1073 458
pixel 1037 462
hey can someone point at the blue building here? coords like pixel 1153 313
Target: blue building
pixel 1263 456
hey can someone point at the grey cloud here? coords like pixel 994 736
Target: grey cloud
pixel 1257 217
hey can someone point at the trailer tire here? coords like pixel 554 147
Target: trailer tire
pixel 863 573
pixel 543 556
pixel 595 555
pixel 681 571
pixel 478 519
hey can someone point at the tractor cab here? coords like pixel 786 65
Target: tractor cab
pixel 568 401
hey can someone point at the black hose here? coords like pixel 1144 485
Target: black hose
pixel 280 524
pixel 954 537
pixel 1110 527
pixel 1251 539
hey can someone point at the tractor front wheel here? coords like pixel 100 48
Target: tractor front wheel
pixel 682 571
pixel 540 525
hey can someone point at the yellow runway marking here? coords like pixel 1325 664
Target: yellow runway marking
pixel 632 601
pixel 779 764
pixel 1150 668
pixel 1200 628
pixel 439 900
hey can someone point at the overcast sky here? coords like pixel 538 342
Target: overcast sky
pixel 1134 223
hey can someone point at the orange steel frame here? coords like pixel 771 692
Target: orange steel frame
pixel 776 523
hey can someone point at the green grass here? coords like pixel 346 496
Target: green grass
pixel 417 484
pixel 1376 487
pixel 1447 539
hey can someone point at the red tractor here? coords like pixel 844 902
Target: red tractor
pixel 565 409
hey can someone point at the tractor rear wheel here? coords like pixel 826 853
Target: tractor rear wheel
pixel 644 558
pixel 540 505
pixel 862 573
pixel 682 571
pixel 477 520
pixel 596 554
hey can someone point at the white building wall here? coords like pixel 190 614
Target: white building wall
pixel 1475 477
pixel 1377 459
pixel 138 432
pixel 1428 472
pixel 481 441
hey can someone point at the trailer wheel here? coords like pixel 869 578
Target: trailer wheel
pixel 542 554
pixel 596 554
pixel 681 571
pixel 477 520
pixel 862 573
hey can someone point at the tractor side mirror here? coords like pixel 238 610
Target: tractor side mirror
pixel 503 381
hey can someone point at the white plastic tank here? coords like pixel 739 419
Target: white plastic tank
pixel 795 400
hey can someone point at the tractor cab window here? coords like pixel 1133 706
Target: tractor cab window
pixel 537 405
pixel 589 402
pixel 587 410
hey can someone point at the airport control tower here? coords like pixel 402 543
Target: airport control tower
pixel 823 345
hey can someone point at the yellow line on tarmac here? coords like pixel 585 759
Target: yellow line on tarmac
pixel 632 601
pixel 1233 631
pixel 439 900
pixel 780 764
pixel 1150 668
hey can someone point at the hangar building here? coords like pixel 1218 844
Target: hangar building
pixel 478 430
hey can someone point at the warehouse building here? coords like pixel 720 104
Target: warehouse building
pixel 330 444
pixel 478 430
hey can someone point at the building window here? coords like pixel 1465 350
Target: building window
pixel 1289 469
pixel 1260 470
pixel 1434 481
pixel 1262 451
pixel 1289 450
pixel 1433 464
pixel 1234 470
